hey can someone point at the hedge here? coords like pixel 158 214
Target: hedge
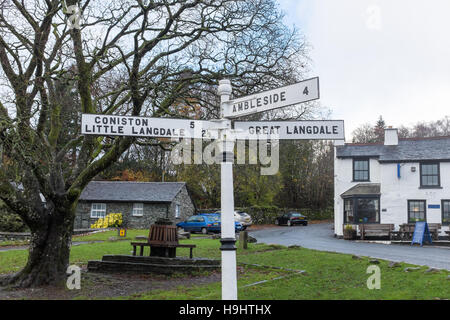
pixel 268 214
pixel 10 222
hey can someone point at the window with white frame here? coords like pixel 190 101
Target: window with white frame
pixel 98 210
pixel 177 211
pixel 138 209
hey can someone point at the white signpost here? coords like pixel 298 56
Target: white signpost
pixel 301 92
pixel 308 90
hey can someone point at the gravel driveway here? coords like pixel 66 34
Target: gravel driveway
pixel 321 237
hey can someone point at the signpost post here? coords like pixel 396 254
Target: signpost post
pixel 228 237
pixel 221 130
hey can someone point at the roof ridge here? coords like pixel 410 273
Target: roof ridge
pixel 119 181
pixel 425 138
pixel 400 139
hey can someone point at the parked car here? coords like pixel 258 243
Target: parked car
pixel 237 224
pixel 204 223
pixel 242 217
pixel 291 218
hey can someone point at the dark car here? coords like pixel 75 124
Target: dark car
pixel 291 218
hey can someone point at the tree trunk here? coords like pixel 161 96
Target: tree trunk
pixel 49 252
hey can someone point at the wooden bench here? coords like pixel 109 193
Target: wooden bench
pixel 163 242
pixel 407 230
pixel 376 230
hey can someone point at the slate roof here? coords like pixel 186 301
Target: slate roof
pixel 363 189
pixel 130 191
pixel 407 150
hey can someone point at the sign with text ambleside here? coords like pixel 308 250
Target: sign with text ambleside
pixel 304 91
pixel 109 125
pixel 324 129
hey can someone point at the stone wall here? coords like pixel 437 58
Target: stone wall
pixel 152 211
pixel 14 236
pixel 187 207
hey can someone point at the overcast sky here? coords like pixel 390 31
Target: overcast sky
pixel 378 57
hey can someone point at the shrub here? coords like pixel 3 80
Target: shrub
pixel 112 220
pixel 9 221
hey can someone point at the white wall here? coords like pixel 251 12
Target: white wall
pixel 395 192
pixel 343 176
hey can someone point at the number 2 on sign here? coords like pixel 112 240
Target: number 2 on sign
pixel 306 91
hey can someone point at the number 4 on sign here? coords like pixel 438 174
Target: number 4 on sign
pixel 306 91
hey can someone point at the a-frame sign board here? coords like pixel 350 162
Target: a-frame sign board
pixel 421 233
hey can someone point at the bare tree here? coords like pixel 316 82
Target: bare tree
pixel 128 57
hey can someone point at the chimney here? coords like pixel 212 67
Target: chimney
pixel 390 136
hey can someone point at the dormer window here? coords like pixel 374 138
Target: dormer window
pixel 361 170
pixel 429 175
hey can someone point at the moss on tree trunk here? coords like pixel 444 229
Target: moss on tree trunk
pixel 49 253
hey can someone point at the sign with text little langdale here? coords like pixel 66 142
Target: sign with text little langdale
pixel 109 125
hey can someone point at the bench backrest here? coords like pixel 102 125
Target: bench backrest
pixel 434 226
pixel 409 227
pixel 163 234
pixel 383 227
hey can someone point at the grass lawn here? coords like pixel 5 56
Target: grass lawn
pixel 328 275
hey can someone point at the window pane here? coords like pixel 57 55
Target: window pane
pixel 368 210
pixel 434 169
pixel 361 170
pixel 446 212
pixel 430 174
pixel 416 211
pixel 434 180
pixel 348 211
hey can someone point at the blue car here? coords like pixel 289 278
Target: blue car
pixel 238 226
pixel 204 223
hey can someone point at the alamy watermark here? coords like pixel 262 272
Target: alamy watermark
pixel 74 279
pixel 373 18
pixel 374 281
pixel 73 21
pixel 263 152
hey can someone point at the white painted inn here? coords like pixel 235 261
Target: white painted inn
pixel 398 181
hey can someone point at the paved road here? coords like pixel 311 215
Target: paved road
pixel 321 237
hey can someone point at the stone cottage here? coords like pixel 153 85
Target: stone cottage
pixel 140 203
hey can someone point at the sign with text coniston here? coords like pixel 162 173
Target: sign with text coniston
pixel 300 92
pixel 109 125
